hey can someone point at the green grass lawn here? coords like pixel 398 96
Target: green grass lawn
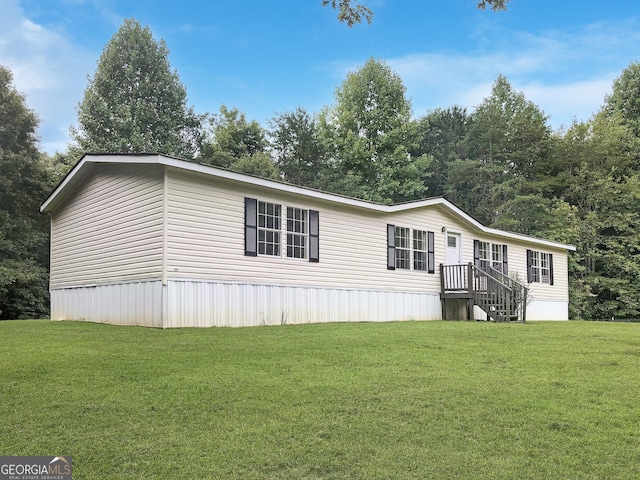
pixel 393 400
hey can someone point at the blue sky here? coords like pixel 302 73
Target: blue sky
pixel 264 57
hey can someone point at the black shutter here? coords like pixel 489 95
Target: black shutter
pixel 391 247
pixel 551 269
pixel 476 253
pixel 431 259
pixel 505 262
pixel 314 236
pixel 529 261
pixel 250 227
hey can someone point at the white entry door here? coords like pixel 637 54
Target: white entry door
pixel 454 249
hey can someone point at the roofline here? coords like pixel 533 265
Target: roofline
pixel 157 159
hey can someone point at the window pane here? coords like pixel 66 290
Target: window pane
pixel 297 230
pixel 268 229
pixel 403 245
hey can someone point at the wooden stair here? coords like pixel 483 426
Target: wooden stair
pixel 499 296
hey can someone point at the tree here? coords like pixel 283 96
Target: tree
pixel 23 231
pixel 442 134
pixel 495 5
pixel 238 144
pixel 298 149
pixel 601 181
pixel 352 13
pixel 507 146
pixel 625 98
pixel 349 11
pixel 135 103
pixel 369 133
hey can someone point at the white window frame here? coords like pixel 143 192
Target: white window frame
pixel 269 229
pixel 403 248
pixel 497 256
pixel 287 233
pixel 491 254
pixel 545 268
pixel 297 233
pixel 484 254
pixel 535 267
pixel 420 238
pixel 406 242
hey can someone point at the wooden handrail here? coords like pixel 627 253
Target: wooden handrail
pixel 499 296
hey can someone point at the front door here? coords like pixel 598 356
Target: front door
pixel 454 249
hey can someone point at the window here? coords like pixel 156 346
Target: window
pixel 266 231
pixel 539 267
pixel 269 233
pixel 545 270
pixel 410 249
pixel 496 257
pixel 484 254
pixel 419 250
pixel 488 254
pixel 297 232
pixel 403 248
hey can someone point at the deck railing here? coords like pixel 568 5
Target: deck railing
pixel 499 296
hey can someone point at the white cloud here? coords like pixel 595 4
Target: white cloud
pixel 566 74
pixel 47 68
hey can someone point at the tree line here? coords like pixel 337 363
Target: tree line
pixel 501 162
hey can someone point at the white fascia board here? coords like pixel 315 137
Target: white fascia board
pixel 69 180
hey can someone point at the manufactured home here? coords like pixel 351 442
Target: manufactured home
pixel 153 240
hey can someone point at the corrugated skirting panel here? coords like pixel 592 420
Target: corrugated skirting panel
pixel 206 304
pixel 134 303
pixel 548 310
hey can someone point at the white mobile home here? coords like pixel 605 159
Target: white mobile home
pixel 152 240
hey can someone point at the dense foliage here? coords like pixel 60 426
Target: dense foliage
pixel 135 103
pixel 501 163
pixel 23 231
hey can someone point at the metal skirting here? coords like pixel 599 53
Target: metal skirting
pixel 203 304
pixel 131 303
pixel 208 304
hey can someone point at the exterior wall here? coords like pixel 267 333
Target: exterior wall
pixel 157 245
pixel 205 241
pixel 111 229
pixel 135 303
pixel 547 302
pixel 207 304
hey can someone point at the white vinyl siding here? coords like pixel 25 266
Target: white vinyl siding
pixel 110 229
pixel 205 235
pixel 205 240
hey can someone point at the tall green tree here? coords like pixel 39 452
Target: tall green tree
pixel 298 149
pixel 135 102
pixel 23 231
pixel 508 145
pixel 442 134
pixel 369 131
pixel 625 98
pixel 235 143
pixel 602 182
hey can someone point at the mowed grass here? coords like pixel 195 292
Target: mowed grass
pixel 371 401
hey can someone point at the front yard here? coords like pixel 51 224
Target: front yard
pixel 394 400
